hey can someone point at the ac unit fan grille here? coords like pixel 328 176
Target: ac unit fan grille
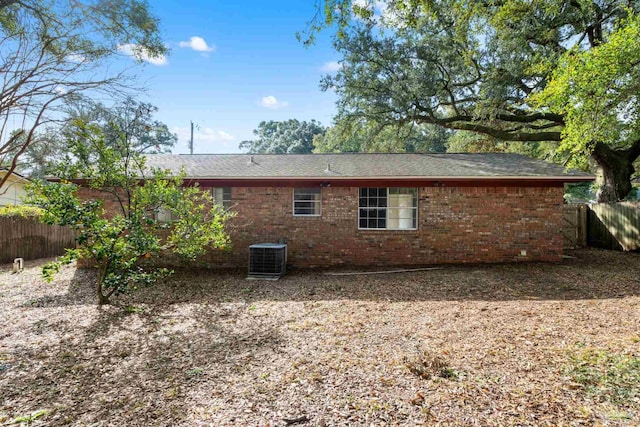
pixel 267 260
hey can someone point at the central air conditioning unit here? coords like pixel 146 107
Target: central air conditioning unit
pixel 267 261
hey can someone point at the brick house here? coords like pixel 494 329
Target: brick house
pixel 384 209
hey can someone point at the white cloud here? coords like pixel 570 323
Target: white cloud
pixel 76 57
pixel 206 135
pixel 60 90
pixel 272 102
pixel 140 53
pixel 198 44
pixel 331 66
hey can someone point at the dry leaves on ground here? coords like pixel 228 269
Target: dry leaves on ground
pixel 474 345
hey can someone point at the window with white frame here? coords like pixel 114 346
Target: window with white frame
pixel 307 201
pixel 164 215
pixel 388 208
pixel 222 197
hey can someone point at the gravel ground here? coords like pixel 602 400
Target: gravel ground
pixel 477 345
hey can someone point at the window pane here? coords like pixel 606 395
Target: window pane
pixel 362 202
pixel 363 223
pixel 164 215
pixel 305 211
pixel 307 201
pixel 403 204
pixel 222 196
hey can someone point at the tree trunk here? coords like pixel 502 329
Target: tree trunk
pixel 615 171
pixel 102 298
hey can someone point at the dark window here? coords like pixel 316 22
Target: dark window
pixel 307 201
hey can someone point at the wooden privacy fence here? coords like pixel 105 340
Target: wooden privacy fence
pixel 574 226
pixel 602 225
pixel 29 239
pixel 614 226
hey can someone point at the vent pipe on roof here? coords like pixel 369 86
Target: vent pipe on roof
pixel 251 160
pixel 328 169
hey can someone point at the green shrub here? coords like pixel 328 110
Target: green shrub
pixel 20 211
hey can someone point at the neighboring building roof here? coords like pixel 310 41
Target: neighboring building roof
pixel 5 170
pixel 364 166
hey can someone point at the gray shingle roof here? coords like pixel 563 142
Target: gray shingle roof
pixel 360 165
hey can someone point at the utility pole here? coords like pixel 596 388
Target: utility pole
pixel 191 142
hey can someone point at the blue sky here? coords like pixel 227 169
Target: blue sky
pixel 233 64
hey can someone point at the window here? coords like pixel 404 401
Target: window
pixel 388 208
pixel 164 215
pixel 222 197
pixel 307 201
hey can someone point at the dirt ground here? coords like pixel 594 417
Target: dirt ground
pixel 481 345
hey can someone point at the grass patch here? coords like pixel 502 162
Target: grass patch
pixel 29 418
pixel 195 372
pixel 608 377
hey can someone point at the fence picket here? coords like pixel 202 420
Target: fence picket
pixel 27 238
pixel 614 226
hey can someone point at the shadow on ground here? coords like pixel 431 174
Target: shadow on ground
pixel 588 274
pixel 138 364
pixel 585 274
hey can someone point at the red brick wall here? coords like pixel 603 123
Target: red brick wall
pixel 455 224
pixel 461 224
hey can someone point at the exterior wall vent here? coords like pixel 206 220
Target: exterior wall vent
pixel 267 261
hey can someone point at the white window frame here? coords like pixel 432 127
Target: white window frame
pixel 224 203
pixel 387 209
pixel 317 202
pixel 163 215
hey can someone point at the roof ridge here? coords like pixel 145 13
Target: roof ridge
pixel 335 154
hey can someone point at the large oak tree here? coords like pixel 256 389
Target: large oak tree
pixel 515 70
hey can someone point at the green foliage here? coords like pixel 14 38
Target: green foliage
pixel 582 192
pixel 128 120
pixel 469 142
pixel 195 372
pixel 596 91
pixel 118 242
pixel 564 74
pixel 290 136
pixel 93 27
pixel 20 211
pixel 349 136
pixel 607 376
